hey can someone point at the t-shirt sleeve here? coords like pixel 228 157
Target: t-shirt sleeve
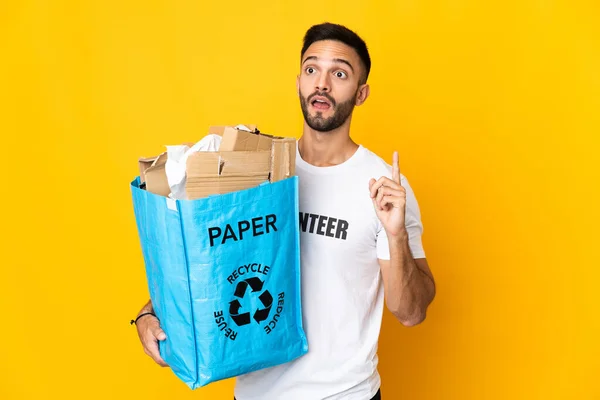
pixel 413 224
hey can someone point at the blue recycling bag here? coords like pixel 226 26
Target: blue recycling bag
pixel 224 278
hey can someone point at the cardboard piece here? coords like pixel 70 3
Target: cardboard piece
pixel 283 150
pixel 156 177
pixel 144 164
pixel 219 129
pixel 237 140
pixel 244 160
pixel 283 159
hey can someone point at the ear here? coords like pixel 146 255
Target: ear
pixel 298 85
pixel 362 94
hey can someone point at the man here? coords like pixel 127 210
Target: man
pixel 346 278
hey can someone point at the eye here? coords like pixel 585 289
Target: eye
pixel 341 74
pixel 310 70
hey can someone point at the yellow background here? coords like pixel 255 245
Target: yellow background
pixel 493 105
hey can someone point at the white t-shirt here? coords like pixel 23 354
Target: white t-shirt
pixel 341 240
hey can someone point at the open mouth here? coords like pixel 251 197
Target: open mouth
pixel 321 103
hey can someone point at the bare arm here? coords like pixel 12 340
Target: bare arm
pixel 408 283
pixel 150 333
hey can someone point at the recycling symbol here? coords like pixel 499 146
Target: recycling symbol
pixel 265 298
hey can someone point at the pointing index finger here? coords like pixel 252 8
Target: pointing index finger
pixel 395 168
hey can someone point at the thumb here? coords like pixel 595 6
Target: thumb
pixel 159 333
pixel 371 182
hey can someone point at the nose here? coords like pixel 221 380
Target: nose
pixel 322 84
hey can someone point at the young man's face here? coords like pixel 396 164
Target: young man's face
pixel 329 84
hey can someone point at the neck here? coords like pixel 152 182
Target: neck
pixel 326 149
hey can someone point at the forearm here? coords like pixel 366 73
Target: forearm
pixel 408 289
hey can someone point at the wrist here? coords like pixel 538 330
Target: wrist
pixel 146 314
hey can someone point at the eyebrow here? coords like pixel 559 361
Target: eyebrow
pixel 339 60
